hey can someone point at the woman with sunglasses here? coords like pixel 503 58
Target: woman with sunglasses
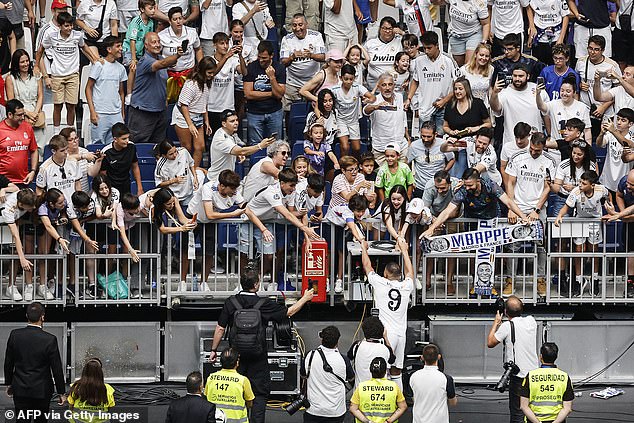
pixel 349 183
pixel 90 394
pixel 564 108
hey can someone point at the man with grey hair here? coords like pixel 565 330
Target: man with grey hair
pixel 193 408
pixel 226 146
pixel 387 119
pixel 264 172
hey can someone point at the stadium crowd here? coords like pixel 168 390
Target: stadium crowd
pixel 349 106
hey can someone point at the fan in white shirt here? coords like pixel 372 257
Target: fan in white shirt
pixel 480 153
pixel 391 296
pixel 173 37
pixel 256 18
pixel 618 139
pixel 564 108
pixel 382 51
pixel 516 102
pixel 506 17
pixel 588 199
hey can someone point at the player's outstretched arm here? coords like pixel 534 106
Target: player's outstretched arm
pixel 365 258
pixel 407 262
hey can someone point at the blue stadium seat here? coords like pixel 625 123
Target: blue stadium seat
pixel 47 152
pixel 298 149
pixel 328 191
pixel 299 109
pixel 364 127
pixel 145 150
pixel 94 147
pixel 240 169
pixel 296 128
pixel 147 184
pixel 256 157
pixel 147 171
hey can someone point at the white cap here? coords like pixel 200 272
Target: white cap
pixel 415 206
pixel 394 147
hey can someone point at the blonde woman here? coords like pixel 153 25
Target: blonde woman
pixel 478 71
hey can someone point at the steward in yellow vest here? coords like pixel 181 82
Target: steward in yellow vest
pixel 229 390
pixel 378 400
pixel 546 393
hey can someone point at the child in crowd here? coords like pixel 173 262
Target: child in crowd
pixel 588 198
pixel 16 205
pixel 357 56
pixel 54 217
pixel 619 156
pixel 105 198
pixel 133 44
pixel 309 197
pixel 346 217
pixel 393 172
pixel 366 167
pixel 301 166
pixel 347 94
pixel 394 211
pixel 175 170
pixel 81 210
pixel 401 73
pixel 316 150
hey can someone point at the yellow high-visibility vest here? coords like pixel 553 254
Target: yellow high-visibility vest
pixel 377 399
pixel 225 388
pixel 547 386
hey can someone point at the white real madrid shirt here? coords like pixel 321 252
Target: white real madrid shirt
pixel 588 206
pixel 382 57
pixel 531 174
pixel 392 300
pixel 51 175
pixel 302 69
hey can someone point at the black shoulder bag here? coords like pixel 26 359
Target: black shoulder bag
pixel 99 28
pixel 327 368
pixel 625 20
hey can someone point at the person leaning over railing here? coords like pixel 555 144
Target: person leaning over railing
pixel 217 199
pixel 166 207
pixel 588 199
pixel 266 204
pixel 15 205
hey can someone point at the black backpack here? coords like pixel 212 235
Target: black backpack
pixel 248 334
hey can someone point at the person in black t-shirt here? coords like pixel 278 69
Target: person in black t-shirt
pixel 7 37
pixel 464 116
pixel 573 131
pixel 255 367
pixel 120 159
pixel 264 87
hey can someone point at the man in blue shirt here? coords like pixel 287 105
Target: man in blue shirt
pixel 146 114
pixel 480 197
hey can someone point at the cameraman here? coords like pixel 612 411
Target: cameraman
pixel 374 344
pixel 522 350
pixel 325 369
pixel 254 366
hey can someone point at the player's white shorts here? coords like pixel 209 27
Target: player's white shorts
pixel 397 343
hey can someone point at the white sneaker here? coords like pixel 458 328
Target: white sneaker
pixel 327 285
pixel 419 284
pixel 44 293
pixel 13 293
pixel 338 286
pixel 238 288
pixel 28 292
pixel 271 287
pixel 127 99
pixel 204 287
pixel 182 287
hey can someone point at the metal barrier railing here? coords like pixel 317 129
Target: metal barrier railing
pixel 172 267
pixel 588 262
